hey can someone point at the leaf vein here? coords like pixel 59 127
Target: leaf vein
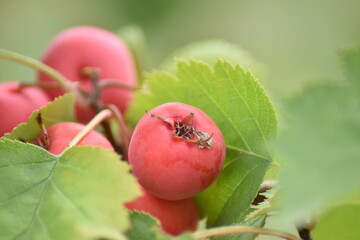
pixel 26 190
pixel 36 212
pixel 20 164
pixel 250 111
pixel 71 203
pixel 44 227
pixel 246 152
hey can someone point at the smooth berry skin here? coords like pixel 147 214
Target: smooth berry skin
pixel 175 217
pixel 61 134
pixel 17 104
pixel 173 168
pixel 80 47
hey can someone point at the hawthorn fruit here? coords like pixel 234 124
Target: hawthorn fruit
pixel 175 217
pixel 78 48
pixel 17 103
pixel 176 151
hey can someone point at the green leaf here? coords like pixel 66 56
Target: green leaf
pixel 234 99
pixel 58 197
pixel 320 146
pixel 59 110
pixel 210 51
pixel 351 63
pixel 145 227
pixel 339 222
pixel 227 200
pixel 320 149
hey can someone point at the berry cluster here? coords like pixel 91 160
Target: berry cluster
pixel 175 151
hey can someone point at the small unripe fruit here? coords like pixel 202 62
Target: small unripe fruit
pixel 59 136
pixel 175 217
pixel 17 104
pixel 176 151
pixel 79 47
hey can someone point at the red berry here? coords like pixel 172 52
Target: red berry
pixel 175 217
pixel 79 47
pixel 176 151
pixel 60 135
pixel 17 104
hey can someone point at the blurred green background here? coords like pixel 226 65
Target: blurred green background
pixel 296 40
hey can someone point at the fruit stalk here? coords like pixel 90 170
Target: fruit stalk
pixel 105 83
pixel 101 116
pixel 64 83
pixel 125 131
pixel 242 230
pixel 40 85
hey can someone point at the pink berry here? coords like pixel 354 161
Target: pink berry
pixel 176 151
pixel 79 47
pixel 61 134
pixel 17 104
pixel 175 217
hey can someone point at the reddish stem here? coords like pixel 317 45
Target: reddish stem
pixel 125 132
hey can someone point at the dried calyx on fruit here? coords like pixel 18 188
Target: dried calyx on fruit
pixel 184 128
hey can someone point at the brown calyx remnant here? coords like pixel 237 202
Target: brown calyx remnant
pixel 184 128
pixel 43 140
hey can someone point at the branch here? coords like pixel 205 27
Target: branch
pixel 125 132
pixel 64 83
pixel 105 83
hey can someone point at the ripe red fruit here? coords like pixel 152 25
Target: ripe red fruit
pixel 79 47
pixel 17 104
pixel 61 134
pixel 175 154
pixel 175 217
